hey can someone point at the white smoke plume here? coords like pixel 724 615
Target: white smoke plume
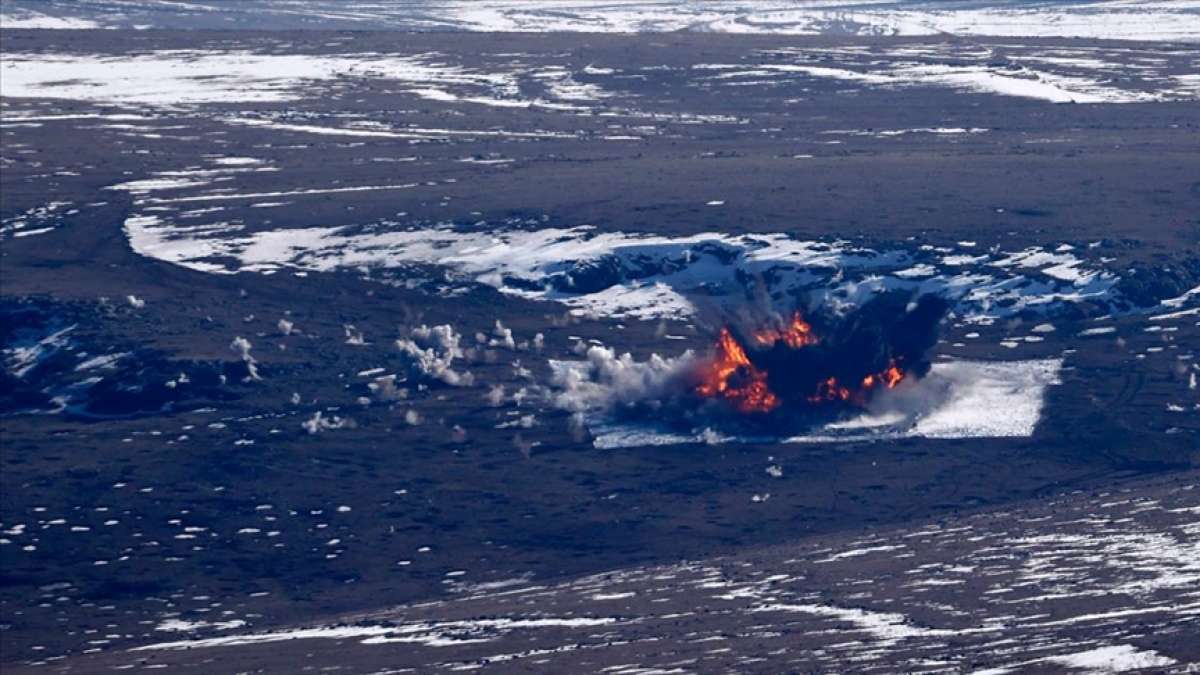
pixel 577 426
pixel 385 389
pixel 523 446
pixel 241 346
pixel 605 380
pixel 318 423
pixel 431 350
pixel 444 337
pixel 520 371
pixel 354 336
pixel 502 337
pixel 522 422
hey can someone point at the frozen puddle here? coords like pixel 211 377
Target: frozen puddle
pixel 962 399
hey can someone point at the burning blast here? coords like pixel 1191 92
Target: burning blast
pixel 838 362
pixel 783 376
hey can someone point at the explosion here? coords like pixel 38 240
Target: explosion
pixel 791 366
pixel 797 334
pixel 733 377
pixel 777 378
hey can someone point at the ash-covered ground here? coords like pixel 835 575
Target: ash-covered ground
pixel 355 339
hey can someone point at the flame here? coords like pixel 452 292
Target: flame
pixel 732 376
pixel 892 376
pixel 832 390
pixel 752 396
pixel 797 334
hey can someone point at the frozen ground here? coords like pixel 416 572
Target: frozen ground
pixel 282 313
pixel 1123 19
pixel 269 71
pixel 1103 581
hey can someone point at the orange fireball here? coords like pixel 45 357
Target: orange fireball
pixel 797 334
pixel 731 376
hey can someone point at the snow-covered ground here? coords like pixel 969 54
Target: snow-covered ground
pixel 174 78
pixel 1101 581
pixel 181 77
pixel 619 274
pixel 293 309
pixel 1123 19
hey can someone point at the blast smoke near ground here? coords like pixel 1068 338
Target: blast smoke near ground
pixel 612 337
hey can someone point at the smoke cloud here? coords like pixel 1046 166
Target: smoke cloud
pixel 241 346
pixel 430 352
pixel 606 381
pixel 889 329
pixel 318 423
pixel 892 333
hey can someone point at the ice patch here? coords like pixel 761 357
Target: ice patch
pixel 1181 300
pixel 28 19
pixel 102 362
pixel 883 626
pixel 173 77
pixel 34 221
pixel 181 626
pixel 433 634
pixel 989 399
pixel 189 77
pixel 23 357
pixel 411 133
pixel 1018 81
pixel 1127 19
pixel 1115 659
